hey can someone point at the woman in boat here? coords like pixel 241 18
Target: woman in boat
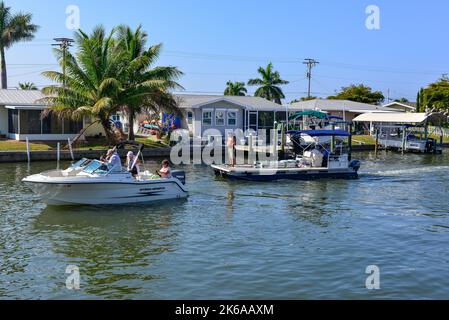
pixel 165 171
pixel 132 167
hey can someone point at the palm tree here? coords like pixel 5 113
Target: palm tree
pixel 13 28
pixel 146 88
pixel 28 86
pixel 269 84
pixel 235 89
pixel 91 86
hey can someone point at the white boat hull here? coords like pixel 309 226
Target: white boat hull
pixel 103 192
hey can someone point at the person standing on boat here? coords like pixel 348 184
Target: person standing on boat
pixel 231 143
pixel 132 167
pixel 165 171
pixel 114 162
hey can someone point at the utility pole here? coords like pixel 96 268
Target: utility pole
pixel 64 44
pixel 310 63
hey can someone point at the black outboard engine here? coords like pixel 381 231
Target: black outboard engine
pixel 180 175
pixel 355 165
pixel 296 139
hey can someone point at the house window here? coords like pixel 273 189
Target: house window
pixel 115 117
pixel 232 118
pixel 220 116
pixel 207 117
pixel 189 117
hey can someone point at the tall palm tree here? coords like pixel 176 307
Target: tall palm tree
pixel 235 89
pixel 147 88
pixel 269 84
pixel 13 28
pixel 27 86
pixel 91 86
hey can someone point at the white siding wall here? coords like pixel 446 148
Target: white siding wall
pixel 198 127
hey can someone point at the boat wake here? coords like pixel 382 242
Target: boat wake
pixel 410 171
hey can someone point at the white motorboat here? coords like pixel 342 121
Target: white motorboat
pixel 91 182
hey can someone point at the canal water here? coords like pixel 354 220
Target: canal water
pixel 238 240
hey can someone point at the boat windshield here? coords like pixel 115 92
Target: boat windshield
pixel 79 164
pixel 96 167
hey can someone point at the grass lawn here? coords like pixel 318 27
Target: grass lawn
pixel 101 144
pixel 13 145
pixel 366 139
pixel 363 139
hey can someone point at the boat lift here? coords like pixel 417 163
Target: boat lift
pixel 407 132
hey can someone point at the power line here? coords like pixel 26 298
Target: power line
pixel 64 44
pixel 310 63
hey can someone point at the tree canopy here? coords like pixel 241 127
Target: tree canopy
pixel 359 93
pixel 110 72
pixel 435 95
pixel 269 84
pixel 235 89
pixel 13 28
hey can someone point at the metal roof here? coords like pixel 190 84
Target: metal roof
pixel 192 101
pixel 340 105
pixel 400 117
pixel 21 97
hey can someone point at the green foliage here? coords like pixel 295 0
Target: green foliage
pixel 110 71
pixel 13 28
pixel 235 89
pixel 269 84
pixel 436 95
pixel 359 93
pixel 27 86
pixel 303 99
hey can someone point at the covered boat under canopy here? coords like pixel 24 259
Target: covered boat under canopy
pixel 321 133
pixel 407 131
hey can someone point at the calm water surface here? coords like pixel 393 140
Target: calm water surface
pixel 293 240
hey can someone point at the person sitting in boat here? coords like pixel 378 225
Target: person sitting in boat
pixel 113 160
pixel 132 167
pixel 165 171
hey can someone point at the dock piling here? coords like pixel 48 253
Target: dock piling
pixel 58 154
pixel 70 148
pixel 28 150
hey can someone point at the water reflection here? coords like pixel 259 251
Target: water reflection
pixel 320 201
pixel 115 248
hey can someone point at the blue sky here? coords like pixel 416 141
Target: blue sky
pixel 216 41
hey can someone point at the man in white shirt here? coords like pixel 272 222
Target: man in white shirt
pixel 114 161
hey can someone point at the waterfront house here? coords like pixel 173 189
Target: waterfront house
pixel 203 112
pixel 402 106
pixel 21 118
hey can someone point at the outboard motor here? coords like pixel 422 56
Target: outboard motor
pixel 355 165
pixel 180 175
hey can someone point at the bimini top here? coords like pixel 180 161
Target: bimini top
pixel 401 117
pixel 321 133
pixel 309 113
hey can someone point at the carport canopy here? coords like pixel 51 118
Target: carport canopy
pixel 403 118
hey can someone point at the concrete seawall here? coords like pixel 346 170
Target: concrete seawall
pixel 21 156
